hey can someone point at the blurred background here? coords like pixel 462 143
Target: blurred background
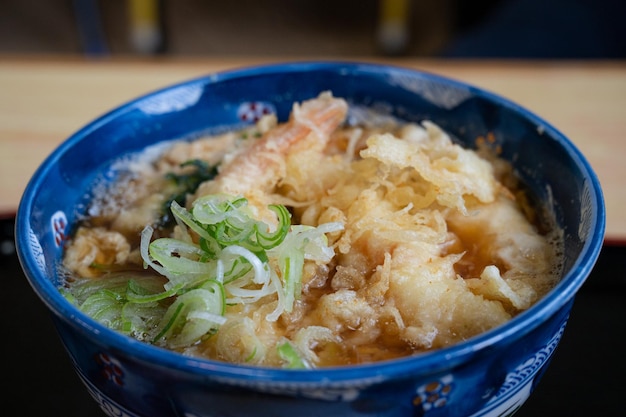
pixel 578 29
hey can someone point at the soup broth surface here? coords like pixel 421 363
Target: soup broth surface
pixel 324 240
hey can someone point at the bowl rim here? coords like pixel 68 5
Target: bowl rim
pixel 430 362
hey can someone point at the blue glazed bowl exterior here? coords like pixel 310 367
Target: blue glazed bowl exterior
pixel 489 375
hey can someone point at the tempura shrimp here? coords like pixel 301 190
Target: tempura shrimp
pixel 254 172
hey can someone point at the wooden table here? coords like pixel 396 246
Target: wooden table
pixel 43 100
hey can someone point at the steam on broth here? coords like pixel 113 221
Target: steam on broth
pixel 313 242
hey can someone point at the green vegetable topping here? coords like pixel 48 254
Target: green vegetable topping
pixel 292 359
pixel 186 183
pixel 220 256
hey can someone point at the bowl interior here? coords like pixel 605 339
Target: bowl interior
pixel 546 161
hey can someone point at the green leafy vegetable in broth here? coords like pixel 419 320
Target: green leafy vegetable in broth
pixel 185 184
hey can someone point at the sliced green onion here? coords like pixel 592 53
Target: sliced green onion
pixel 184 216
pixel 179 257
pixel 139 294
pixel 237 269
pixel 140 319
pixel 223 257
pixel 105 306
pixel 261 270
pixel 167 322
pixel 219 208
pixel 292 359
pixel 291 267
pixel 241 295
pixel 270 240
pixel 280 305
pixel 144 249
pixel 185 321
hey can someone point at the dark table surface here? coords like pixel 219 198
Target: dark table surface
pixel 585 378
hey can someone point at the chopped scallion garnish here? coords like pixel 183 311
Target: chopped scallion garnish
pixel 223 256
pixel 292 359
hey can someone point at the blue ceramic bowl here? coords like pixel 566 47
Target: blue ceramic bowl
pixel 490 375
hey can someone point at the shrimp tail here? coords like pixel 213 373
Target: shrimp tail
pixel 259 167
